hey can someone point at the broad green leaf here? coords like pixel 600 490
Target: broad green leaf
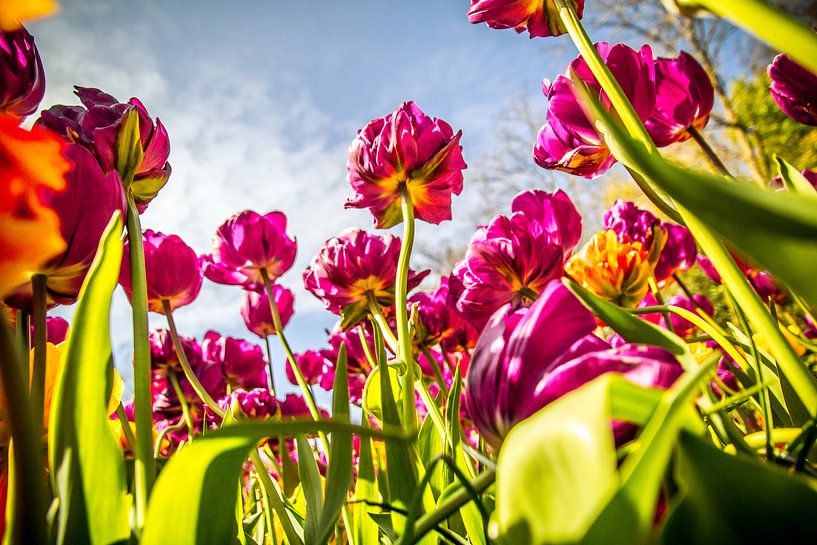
pixel 732 500
pixel 430 446
pixel 365 529
pixel 793 178
pixel 312 488
pixel 86 463
pixel 372 391
pixel 557 469
pixel 193 497
pixel 129 153
pixel 339 472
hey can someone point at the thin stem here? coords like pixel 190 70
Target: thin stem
pixel 273 495
pixel 383 324
pixel 29 494
pixel 366 348
pixel 23 336
pixel 269 365
pixel 404 345
pixel 768 23
pixel 157 448
pixel 654 197
pixel 452 504
pixel 660 298
pixel 188 371
pixel 37 395
pixel 144 466
pixel 438 373
pixel 174 381
pixel 708 151
pixel 126 429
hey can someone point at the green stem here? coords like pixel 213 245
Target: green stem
pixel 188 371
pixel 174 380
pixel 438 373
pixel 768 23
pixel 126 429
pixel 361 333
pixel 29 494
pixel 404 345
pixel 157 448
pixel 708 151
pixel 273 495
pixel 660 298
pixel 144 465
pixel 23 336
pixel 452 504
pixel 659 201
pixel 37 395
pixel 269 365
pixel 383 324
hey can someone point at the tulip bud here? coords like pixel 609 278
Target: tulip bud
pixel 22 85
pixel 794 88
pixel 172 268
pixel 405 151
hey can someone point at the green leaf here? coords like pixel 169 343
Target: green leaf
pixel 129 153
pixel 732 500
pixel 793 178
pixel 557 469
pixel 312 488
pixel 373 394
pixel 86 463
pixel 339 473
pixel 365 529
pixel 430 445
pixel 194 495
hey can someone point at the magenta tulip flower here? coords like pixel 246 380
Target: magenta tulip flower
pixel 163 354
pixel 98 124
pixel 255 404
pixel 684 97
pixel 569 141
pixel 633 224
pixel 528 358
pixel 357 363
pixel 513 258
pixel 405 152
pixel 242 363
pixel 84 210
pixel 311 364
pixel 22 78
pixel 56 330
pixel 681 326
pixel 173 271
pixel 540 18
pixel 355 270
pixel 439 322
pixel 762 281
pixel 794 88
pixel 248 243
pixel 255 309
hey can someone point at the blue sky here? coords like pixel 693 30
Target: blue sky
pixel 261 100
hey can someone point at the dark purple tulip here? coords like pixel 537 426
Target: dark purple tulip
pixel 355 269
pixel 84 210
pixel 173 271
pixel 683 100
pixel 242 363
pixel 248 242
pixel 439 322
pixel 569 141
pixel 311 364
pixel 255 309
pixel 527 358
pixel 513 258
pixel 22 78
pixel 97 125
pixel 163 354
pixel 794 88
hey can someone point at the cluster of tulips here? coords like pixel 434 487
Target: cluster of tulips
pixel 542 392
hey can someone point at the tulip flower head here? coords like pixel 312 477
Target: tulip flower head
pixel 529 357
pixel 540 18
pixel 513 258
pixel 163 357
pixel 355 270
pixel 173 271
pixel 100 125
pixel 794 88
pixel 405 154
pixel 242 363
pixel 246 244
pixel 762 281
pixel 22 85
pixel 684 97
pixel 256 312
pixel 84 210
pixel 569 141
pixel 614 270
pixel 311 364
pixel 253 404
pixel 32 166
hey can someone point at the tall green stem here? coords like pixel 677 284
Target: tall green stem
pixel 174 381
pixel 37 395
pixel 708 151
pixel 144 466
pixel 768 23
pixel 404 349
pixel 269 365
pixel 188 371
pixel 23 339
pixel 383 324
pixel 29 494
